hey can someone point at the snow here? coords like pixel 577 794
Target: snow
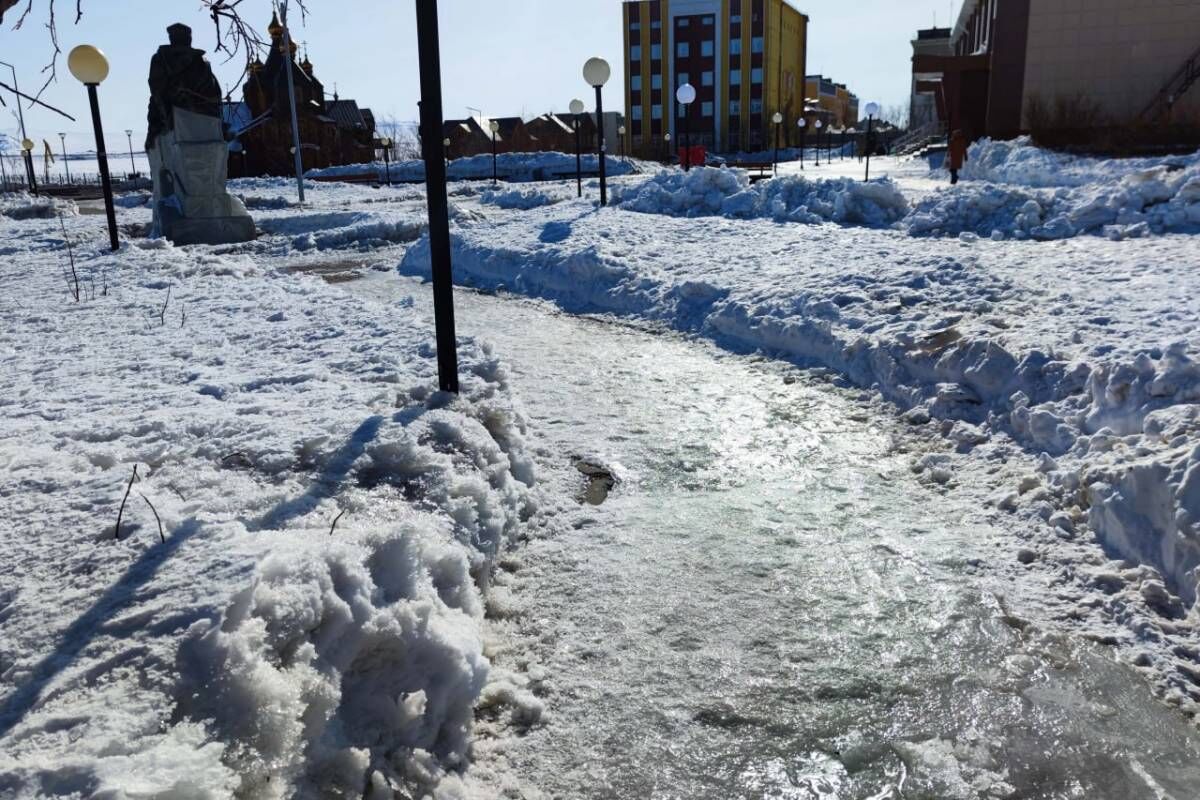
pixel 250 651
pixel 510 166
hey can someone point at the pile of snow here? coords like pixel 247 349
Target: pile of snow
pixel 309 622
pixel 22 206
pixel 523 198
pixel 1019 161
pixel 520 167
pixel 709 191
pixel 1155 200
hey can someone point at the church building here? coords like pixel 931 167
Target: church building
pixel 333 132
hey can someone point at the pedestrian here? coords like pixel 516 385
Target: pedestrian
pixel 957 155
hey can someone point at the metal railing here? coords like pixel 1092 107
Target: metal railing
pixel 914 140
pixel 1175 88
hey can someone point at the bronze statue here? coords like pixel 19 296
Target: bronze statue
pixel 180 77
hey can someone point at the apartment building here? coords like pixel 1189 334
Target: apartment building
pixel 745 58
pixel 832 102
pixel 1129 61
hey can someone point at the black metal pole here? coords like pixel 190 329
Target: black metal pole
pixel 803 142
pixel 600 135
pixel 687 139
pixel 3 174
pixel 775 157
pixel 429 55
pixel 578 159
pixel 867 147
pixel 66 161
pixel 132 164
pixel 30 173
pixel 102 162
pixel 495 169
pixel 387 164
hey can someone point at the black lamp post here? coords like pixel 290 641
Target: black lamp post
pixel 27 152
pixel 386 144
pixel 597 72
pixel 90 67
pixel 132 166
pixel 621 136
pixel 577 109
pixel 3 171
pixel 829 145
pixel 777 118
pixel 62 137
pixel 667 142
pixel 802 124
pixel 494 127
pixel 872 110
pixel 31 174
pixel 686 95
pixel 446 146
pixel 430 59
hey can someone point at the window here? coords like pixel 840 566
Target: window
pixel 635 83
pixel 756 75
pixel 656 112
pixel 756 44
pixel 637 112
pixel 706 48
pixel 635 27
pixel 756 106
pixel 706 21
pixel 706 109
pixel 706 78
pixel 656 81
pixel 735 19
pixel 683 50
pixel 735 108
pixel 655 24
pixel 655 52
pixel 735 78
pixel 680 110
pixel 635 52
pixel 682 23
pixel 735 47
pixel 683 78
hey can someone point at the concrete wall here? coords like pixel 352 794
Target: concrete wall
pixel 1117 52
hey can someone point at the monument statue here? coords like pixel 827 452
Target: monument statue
pixel 188 151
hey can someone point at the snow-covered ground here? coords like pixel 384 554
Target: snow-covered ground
pixel 249 648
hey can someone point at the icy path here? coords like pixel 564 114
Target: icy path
pixel 769 605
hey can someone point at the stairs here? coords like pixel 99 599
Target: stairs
pixel 1160 107
pixel 918 139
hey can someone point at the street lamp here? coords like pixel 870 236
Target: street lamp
pixel 597 72
pixel 25 137
pixel 386 144
pixel 446 149
pixel 90 67
pixel 778 120
pixel 576 109
pixel 27 149
pixel 686 95
pixel 829 145
pixel 621 135
pixel 851 132
pixel 62 137
pixel 3 171
pixel 817 126
pixel 872 112
pixel 132 165
pixel 802 124
pixel 494 127
pixel 667 139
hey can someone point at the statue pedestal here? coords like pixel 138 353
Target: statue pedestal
pixel 190 165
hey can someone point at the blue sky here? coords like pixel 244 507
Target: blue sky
pixel 503 56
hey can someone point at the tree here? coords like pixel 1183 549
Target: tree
pixel 234 35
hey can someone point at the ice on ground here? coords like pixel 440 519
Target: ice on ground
pixel 308 623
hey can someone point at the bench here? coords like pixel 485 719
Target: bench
pixel 758 172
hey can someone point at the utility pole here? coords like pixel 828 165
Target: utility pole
pixel 291 84
pixel 429 55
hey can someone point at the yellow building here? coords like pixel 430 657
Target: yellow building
pixel 832 102
pixel 745 58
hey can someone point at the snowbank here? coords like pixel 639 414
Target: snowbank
pixel 1019 161
pixel 510 166
pixel 523 198
pixel 22 206
pixel 708 191
pixel 308 622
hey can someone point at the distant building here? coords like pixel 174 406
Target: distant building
pixel 332 132
pixel 1011 64
pixel 745 58
pixel 831 102
pixel 923 108
pixel 545 133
